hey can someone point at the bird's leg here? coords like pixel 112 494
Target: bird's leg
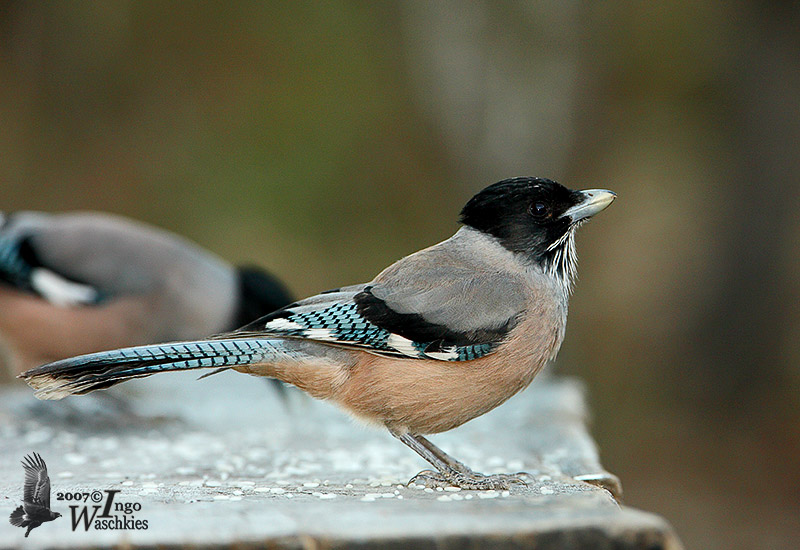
pixel 451 472
pixel 443 456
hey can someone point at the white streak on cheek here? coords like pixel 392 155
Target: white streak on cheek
pixel 564 266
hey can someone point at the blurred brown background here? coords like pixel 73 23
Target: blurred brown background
pixel 324 141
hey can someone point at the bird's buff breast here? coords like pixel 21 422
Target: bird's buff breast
pixel 427 396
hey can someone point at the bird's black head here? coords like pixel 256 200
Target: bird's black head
pixel 533 216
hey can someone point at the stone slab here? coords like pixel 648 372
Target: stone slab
pixel 227 462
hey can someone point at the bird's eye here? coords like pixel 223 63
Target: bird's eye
pixel 539 209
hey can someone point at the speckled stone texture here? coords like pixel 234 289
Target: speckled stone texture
pixel 226 462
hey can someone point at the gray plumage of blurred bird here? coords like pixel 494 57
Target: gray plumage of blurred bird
pixel 74 283
pixel 436 339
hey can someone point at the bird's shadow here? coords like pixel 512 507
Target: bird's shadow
pixel 101 412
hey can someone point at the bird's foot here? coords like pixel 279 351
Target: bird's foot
pixel 468 480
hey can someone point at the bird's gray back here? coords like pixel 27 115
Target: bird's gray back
pixel 468 282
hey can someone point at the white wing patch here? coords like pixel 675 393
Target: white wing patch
pixel 447 355
pixel 403 345
pixel 320 334
pixel 283 324
pixel 59 290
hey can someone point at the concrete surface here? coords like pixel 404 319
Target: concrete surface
pixel 225 462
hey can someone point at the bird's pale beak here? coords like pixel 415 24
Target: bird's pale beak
pixel 593 202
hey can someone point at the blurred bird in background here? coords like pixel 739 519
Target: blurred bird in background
pixel 74 283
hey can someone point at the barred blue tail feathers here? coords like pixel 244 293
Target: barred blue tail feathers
pixel 86 373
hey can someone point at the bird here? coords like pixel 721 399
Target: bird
pixel 77 282
pixel 436 339
pixel 35 509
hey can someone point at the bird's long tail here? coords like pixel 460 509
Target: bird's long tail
pixel 86 373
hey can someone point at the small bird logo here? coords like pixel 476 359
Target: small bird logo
pixel 35 509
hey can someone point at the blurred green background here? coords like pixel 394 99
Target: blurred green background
pixel 326 140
